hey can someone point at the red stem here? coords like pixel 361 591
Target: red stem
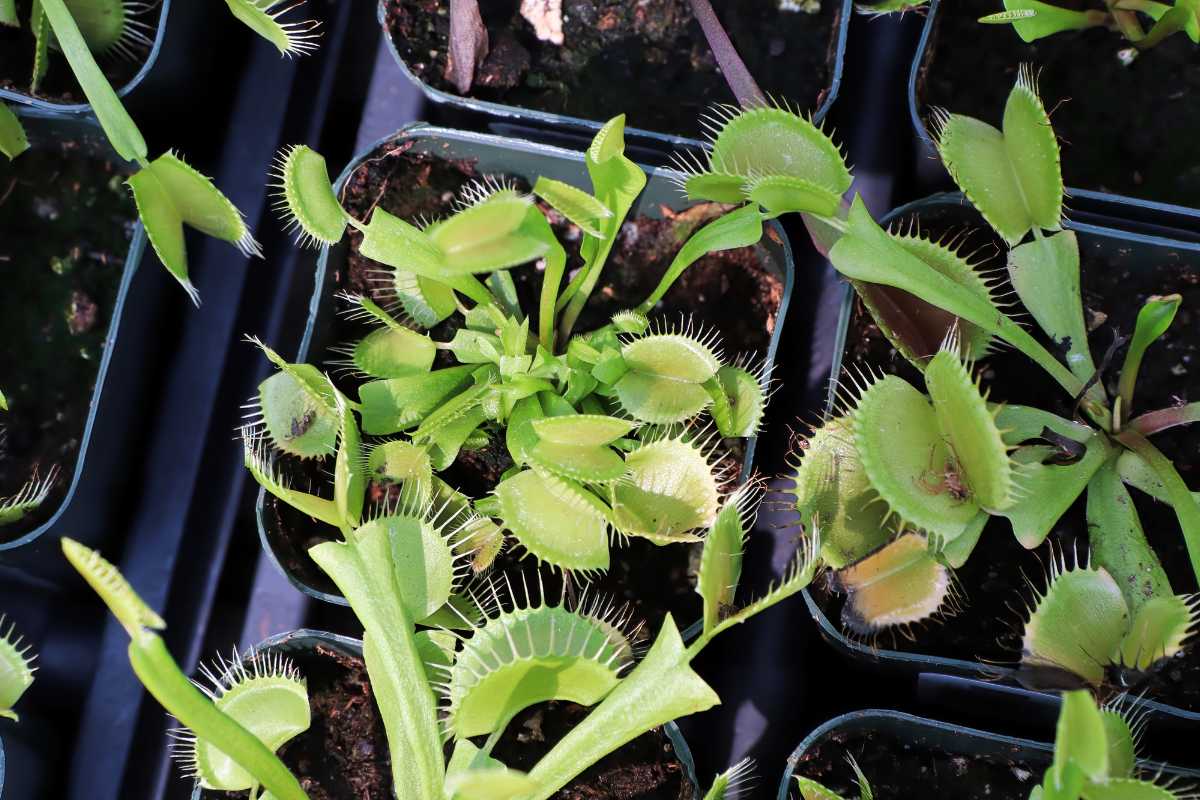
pixel 1160 420
pixel 732 67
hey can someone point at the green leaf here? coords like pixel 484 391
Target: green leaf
pixel 472 776
pixel 1077 623
pixel 1121 742
pixel 112 587
pixel 16 670
pixel 1157 11
pixel 40 26
pixel 832 492
pixel 1013 178
pixel 120 128
pixel 867 253
pixel 29 497
pixel 660 400
pixel 721 559
pixel 13 141
pixel 529 656
pixel 392 241
pixel 1159 628
pixel 583 430
pixel 263 470
pixel 733 782
pixel 300 421
pixel 977 451
pixel 164 226
pixel 394 353
pixel 1048 19
pixel 306 196
pixel 677 357
pixel 669 492
pixel 811 790
pixel 8 13
pixel 1153 320
pixel 169 193
pixel 489 235
pixel 739 228
pixel 103 23
pixel 555 519
pixel 783 194
pixel 1045 273
pixel 575 204
pixel 916 328
pixel 1079 739
pixel 616 183
pixel 397 404
pixel 898 585
pixel 739 401
pixel 770 141
pixel 1118 543
pixel 200 204
pixel 426 301
pixel 268 698
pixel 262 16
pixel 907 460
pixel 349 480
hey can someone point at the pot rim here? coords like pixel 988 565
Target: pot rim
pixel 137 246
pixel 948 730
pixel 73 109
pixel 507 112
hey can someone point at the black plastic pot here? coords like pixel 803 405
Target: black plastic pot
pixel 512 157
pixel 302 640
pixel 160 33
pixel 507 115
pixel 921 732
pixel 1176 221
pixel 47 131
pixel 997 682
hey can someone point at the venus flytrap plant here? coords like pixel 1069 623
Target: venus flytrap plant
pixel 13 141
pixel 395 564
pixel 232 728
pixel 16 669
pixel 600 426
pixel 904 480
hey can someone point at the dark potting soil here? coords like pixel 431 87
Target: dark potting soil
pixel 66 220
pixel 648 59
pixel 912 767
pixel 1116 280
pixel 344 753
pixel 732 290
pixel 1123 128
pixel 59 84
pixel 645 769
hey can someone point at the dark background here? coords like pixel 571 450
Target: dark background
pixel 180 508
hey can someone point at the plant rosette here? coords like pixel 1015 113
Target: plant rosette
pixel 444 161
pixel 984 431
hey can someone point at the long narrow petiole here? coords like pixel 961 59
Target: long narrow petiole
pixel 1155 421
pixel 1178 494
pixel 737 75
